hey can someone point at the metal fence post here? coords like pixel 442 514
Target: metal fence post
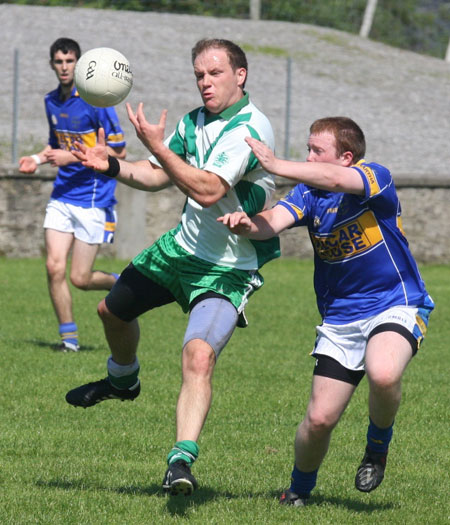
pixel 287 129
pixel 15 107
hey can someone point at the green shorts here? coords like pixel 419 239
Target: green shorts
pixel 186 276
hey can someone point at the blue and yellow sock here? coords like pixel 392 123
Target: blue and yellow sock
pixel 69 333
pixel 123 376
pixel 378 439
pixel 302 483
pixel 185 450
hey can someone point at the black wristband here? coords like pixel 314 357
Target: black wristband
pixel 113 167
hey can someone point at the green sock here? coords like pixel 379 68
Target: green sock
pixel 185 450
pixel 123 376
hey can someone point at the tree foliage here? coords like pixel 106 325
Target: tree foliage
pixel 422 26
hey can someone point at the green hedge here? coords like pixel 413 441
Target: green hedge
pixel 422 26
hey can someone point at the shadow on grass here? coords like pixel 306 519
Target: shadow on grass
pixel 176 505
pixel 56 346
pixel 180 505
pixel 347 503
pixel 83 485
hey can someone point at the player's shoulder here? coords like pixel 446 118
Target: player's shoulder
pixel 109 111
pixel 300 191
pixel 52 95
pixel 373 169
pixel 363 163
pixel 259 121
pixel 254 111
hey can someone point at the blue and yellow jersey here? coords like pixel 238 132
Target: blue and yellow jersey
pixel 362 261
pixel 75 120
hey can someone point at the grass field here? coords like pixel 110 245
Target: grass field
pixel 60 465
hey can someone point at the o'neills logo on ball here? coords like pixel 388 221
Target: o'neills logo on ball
pixel 122 72
pixel 122 66
pixel 91 69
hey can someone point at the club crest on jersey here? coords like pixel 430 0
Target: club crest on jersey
pixel 221 159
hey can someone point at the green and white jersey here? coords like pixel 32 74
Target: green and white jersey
pixel 216 143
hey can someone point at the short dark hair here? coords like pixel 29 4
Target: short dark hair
pixel 348 135
pixel 236 55
pixel 65 45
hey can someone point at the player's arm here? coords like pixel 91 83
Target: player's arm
pixel 57 157
pixel 119 152
pixel 261 226
pixel 203 186
pixel 141 175
pixel 321 175
pixel 30 163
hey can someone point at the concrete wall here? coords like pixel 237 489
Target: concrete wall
pixel 144 216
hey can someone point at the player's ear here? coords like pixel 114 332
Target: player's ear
pixel 347 158
pixel 51 64
pixel 242 75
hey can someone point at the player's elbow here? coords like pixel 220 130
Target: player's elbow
pixel 210 195
pixel 206 200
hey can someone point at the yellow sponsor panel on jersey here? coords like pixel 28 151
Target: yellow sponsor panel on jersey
pixel 66 140
pixel 350 239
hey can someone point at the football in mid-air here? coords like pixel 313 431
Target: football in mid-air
pixel 103 77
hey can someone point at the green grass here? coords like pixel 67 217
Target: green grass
pixel 104 465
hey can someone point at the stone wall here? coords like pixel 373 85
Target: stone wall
pixel 144 216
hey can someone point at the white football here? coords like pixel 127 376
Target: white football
pixel 103 77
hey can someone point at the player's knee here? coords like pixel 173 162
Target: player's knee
pixel 198 358
pixel 55 269
pixel 383 378
pixel 108 319
pixel 103 311
pixel 319 423
pixel 80 281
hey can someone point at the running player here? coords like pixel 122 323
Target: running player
pixel 370 294
pixel 80 214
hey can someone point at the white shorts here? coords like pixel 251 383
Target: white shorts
pixel 86 224
pixel 347 343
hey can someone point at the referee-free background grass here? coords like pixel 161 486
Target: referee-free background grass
pixel 104 465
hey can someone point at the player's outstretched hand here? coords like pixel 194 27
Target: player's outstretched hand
pixel 151 135
pixel 237 222
pixel 263 153
pixel 59 157
pixel 27 165
pixel 95 157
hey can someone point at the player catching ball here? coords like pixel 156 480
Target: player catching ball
pixel 208 271
pixel 371 297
